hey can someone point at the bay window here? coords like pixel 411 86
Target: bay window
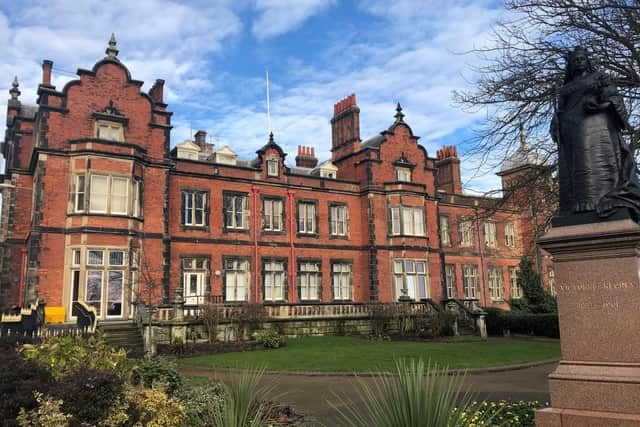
pixel 406 221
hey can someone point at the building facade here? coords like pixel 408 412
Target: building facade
pixel 98 207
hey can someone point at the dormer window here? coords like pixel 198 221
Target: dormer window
pixel 110 131
pixel 403 174
pixel 272 167
pixel 327 174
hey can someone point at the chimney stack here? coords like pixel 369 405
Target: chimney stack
pixel 201 141
pixel 306 157
pixel 345 127
pixel 47 65
pixel 157 91
pixel 448 165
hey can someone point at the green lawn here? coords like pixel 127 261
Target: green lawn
pixel 326 354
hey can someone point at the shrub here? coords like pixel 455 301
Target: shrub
pixel 243 407
pixel 270 339
pixel 65 355
pixel 434 325
pixel 545 325
pixel 496 321
pixel 211 315
pixel 145 407
pixel 417 395
pixel 19 378
pixel 156 373
pixel 380 315
pixel 46 414
pixel 201 402
pixel 536 298
pixel 520 414
pixel 88 394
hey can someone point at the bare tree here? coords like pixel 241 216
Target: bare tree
pixel 522 69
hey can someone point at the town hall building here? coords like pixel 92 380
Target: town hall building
pixel 98 207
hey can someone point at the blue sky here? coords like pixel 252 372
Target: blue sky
pixel 213 56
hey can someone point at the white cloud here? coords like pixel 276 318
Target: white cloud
pixel 279 16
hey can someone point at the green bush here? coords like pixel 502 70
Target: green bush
pixel 46 414
pixel 520 414
pixel 65 355
pixel 88 394
pixel 156 373
pixel 201 402
pixel 19 378
pixel 544 325
pixel 495 321
pixel 536 298
pixel 270 338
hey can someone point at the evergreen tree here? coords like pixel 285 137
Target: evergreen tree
pixel 536 299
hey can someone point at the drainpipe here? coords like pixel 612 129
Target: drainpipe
pixel 23 262
pixel 256 274
pixel 293 296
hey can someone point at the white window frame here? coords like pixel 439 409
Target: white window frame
pixel 273 168
pixel 465 226
pixel 445 230
pixel 190 211
pixel 137 198
pixel 274 279
pixel 79 201
pixel 309 278
pixel 450 280
pixel 514 288
pixel 307 223
pixel 108 271
pixel 234 268
pixel 407 221
pixel 510 234
pixel 108 196
pixel 338 220
pixel 403 174
pixel 342 280
pixel 470 281
pixel 490 234
pixel 272 214
pixel 412 277
pixel 115 130
pixel 230 203
pixel 496 283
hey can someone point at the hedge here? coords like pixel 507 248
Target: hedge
pixel 545 325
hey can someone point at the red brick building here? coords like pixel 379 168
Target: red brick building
pixel 98 207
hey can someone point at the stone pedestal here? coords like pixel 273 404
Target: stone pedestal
pixel 597 382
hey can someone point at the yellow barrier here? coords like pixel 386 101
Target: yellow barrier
pixel 53 314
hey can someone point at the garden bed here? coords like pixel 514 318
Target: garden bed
pixel 204 348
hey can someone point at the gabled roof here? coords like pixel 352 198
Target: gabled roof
pixel 188 145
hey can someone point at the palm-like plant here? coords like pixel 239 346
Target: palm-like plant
pixel 416 395
pixel 242 406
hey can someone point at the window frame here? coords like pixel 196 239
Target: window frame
pixel 282 273
pixel 510 234
pixel 349 276
pixel 301 274
pixel 273 166
pixel 404 212
pixel 451 281
pixel 404 275
pixel 202 274
pixel 490 228
pixel 495 282
pixel 192 194
pixel 515 290
pixel 445 230
pixel 333 206
pixel 245 261
pixel 267 228
pixel 466 224
pixel 465 281
pixel 407 172
pixel 313 217
pixel 119 127
pixel 244 215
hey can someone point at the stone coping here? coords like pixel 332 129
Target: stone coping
pixel 472 371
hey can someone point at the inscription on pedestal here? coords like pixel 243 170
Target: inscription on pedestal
pixel 610 303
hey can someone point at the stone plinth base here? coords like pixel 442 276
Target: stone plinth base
pixel 597 383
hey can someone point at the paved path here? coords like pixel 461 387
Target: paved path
pixel 309 395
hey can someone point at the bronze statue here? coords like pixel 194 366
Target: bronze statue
pixel 596 168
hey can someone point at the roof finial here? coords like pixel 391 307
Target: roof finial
pixel 271 141
pixel 399 115
pixel 111 51
pixel 523 137
pixel 14 91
